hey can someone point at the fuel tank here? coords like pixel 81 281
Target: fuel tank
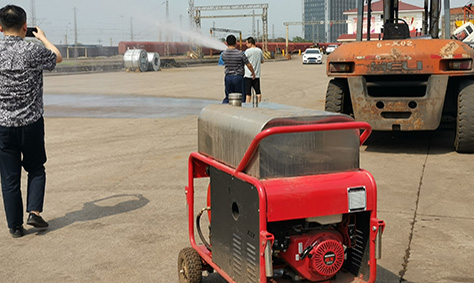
pixel 225 133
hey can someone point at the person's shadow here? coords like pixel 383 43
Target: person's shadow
pixel 92 211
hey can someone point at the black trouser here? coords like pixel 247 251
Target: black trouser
pixel 22 146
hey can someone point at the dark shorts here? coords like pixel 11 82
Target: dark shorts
pixel 249 83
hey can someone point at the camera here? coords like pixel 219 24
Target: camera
pixel 30 30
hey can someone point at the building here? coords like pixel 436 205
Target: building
pixel 327 18
pixel 411 14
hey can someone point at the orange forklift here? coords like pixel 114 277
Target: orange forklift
pixel 400 83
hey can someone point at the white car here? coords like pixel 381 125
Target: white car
pixel 312 55
pixel 330 49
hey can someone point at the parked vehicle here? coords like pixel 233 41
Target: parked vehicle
pixel 464 32
pixel 330 49
pixel 312 55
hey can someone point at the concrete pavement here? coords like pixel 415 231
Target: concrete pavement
pixel 115 186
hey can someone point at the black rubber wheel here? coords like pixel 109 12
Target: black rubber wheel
pixel 464 139
pixel 189 266
pixel 337 97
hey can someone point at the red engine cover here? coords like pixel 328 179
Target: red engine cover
pixel 316 256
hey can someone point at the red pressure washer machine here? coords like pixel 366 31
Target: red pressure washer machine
pixel 287 201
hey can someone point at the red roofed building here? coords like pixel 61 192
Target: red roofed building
pixel 413 16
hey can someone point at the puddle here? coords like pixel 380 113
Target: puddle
pixel 102 106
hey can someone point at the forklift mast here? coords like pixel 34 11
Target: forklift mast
pixel 402 82
pixel 392 21
pixel 390 11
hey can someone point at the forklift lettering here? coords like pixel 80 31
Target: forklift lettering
pixel 396 43
pixel 395 66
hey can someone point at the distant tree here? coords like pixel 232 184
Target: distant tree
pixel 299 39
pixel 279 39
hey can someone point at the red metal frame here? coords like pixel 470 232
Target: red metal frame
pixel 467 11
pixel 197 169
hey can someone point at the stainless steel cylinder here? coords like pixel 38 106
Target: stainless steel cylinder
pixel 153 61
pixel 225 133
pixel 235 99
pixel 378 244
pixel 268 259
pixel 135 59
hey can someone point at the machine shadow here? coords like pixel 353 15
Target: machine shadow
pixel 92 211
pixel 213 278
pixel 440 141
pixel 386 276
pixel 383 276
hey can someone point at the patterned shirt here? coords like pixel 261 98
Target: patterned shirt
pixel 21 80
pixel 234 61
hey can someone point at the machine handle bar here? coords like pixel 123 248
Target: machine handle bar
pixel 301 129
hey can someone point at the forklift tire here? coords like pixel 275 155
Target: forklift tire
pixel 189 266
pixel 464 139
pixel 338 97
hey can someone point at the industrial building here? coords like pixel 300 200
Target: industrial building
pixel 330 15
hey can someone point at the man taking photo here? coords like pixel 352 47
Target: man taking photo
pixel 21 117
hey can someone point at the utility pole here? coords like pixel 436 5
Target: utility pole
pixel 131 28
pixel 258 29
pixel 265 28
pixel 75 26
pixel 191 13
pixel 181 27
pixel 75 34
pixel 167 46
pixel 302 19
pixel 33 14
pixel 253 23
pixel 123 27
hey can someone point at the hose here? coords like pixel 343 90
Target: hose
pixel 198 227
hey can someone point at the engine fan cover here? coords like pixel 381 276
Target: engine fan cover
pixel 316 256
pixel 327 256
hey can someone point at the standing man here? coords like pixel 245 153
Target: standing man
pixel 21 117
pixel 255 56
pixel 234 62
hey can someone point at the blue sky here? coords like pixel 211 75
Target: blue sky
pixel 108 22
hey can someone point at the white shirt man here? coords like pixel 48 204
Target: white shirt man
pixel 255 56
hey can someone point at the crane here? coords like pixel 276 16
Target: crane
pixel 468 9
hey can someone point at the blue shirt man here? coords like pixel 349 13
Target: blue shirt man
pixel 234 62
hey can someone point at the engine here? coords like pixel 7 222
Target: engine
pixel 317 248
pixel 316 256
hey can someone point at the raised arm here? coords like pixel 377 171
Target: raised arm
pixel 42 37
